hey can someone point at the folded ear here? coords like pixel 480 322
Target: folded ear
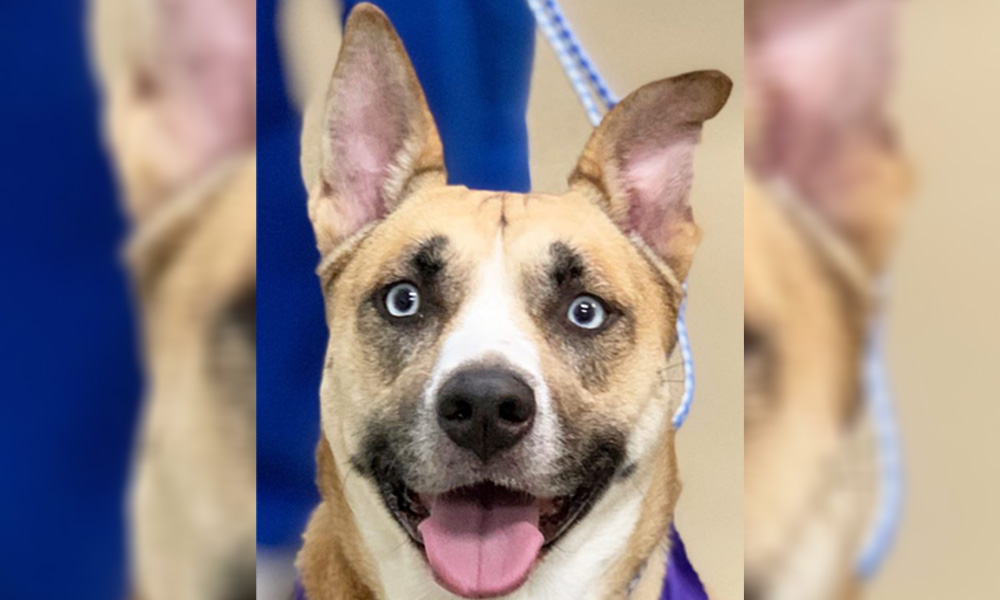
pixel 379 140
pixel 819 68
pixel 638 163
pixel 819 77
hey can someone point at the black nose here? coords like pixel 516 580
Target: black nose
pixel 486 410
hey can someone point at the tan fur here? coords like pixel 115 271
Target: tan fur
pixel 193 507
pixel 645 541
pixel 192 254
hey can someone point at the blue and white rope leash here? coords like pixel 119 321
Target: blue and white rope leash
pixel 584 77
pixel 888 517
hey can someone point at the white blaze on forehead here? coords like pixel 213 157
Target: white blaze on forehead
pixel 487 329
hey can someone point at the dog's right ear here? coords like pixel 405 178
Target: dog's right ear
pixel 638 164
pixel 379 140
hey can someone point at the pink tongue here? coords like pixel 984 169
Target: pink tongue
pixel 479 552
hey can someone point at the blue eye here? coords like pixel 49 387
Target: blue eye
pixel 403 300
pixel 587 312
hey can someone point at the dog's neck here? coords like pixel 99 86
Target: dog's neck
pixel 822 564
pixel 353 551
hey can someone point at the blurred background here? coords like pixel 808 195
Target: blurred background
pixel 69 364
pixel 944 340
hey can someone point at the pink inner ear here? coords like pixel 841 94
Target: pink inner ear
pixel 817 72
pixel 367 130
pixel 832 62
pixel 206 70
pixel 659 181
pixel 820 74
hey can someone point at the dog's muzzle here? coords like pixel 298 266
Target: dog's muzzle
pixel 486 410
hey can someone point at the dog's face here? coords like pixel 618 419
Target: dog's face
pixel 189 185
pixel 495 357
pixel 823 194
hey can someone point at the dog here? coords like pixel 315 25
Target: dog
pixel 495 407
pixel 179 82
pixel 825 191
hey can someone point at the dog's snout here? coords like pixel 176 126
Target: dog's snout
pixel 486 410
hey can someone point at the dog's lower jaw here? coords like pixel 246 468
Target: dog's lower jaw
pixel 352 555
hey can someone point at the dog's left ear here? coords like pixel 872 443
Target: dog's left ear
pixel 638 163
pixel 378 140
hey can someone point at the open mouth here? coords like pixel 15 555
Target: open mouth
pixel 484 540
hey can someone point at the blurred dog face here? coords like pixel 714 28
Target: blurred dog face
pixel 189 181
pixel 194 484
pixel 825 187
pixel 495 348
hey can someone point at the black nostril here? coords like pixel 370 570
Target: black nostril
pixel 514 411
pixel 486 410
pixel 456 409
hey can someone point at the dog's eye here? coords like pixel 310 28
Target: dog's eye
pixel 402 300
pixel 587 312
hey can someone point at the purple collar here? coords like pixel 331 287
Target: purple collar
pixel 682 582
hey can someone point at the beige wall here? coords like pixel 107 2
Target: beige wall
pixel 634 42
pixel 945 332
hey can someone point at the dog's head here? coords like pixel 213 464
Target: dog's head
pixel 179 112
pixel 496 360
pixel 825 187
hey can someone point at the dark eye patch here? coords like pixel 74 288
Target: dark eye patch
pixel 232 359
pixel 758 372
pixel 423 267
pixel 551 287
pixel 569 279
pixel 391 342
pixel 753 341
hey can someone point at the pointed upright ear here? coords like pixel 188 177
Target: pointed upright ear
pixel 638 163
pixel 379 141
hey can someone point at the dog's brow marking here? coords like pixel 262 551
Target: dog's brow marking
pixel 428 260
pixel 567 265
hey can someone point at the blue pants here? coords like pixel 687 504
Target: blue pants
pixel 69 383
